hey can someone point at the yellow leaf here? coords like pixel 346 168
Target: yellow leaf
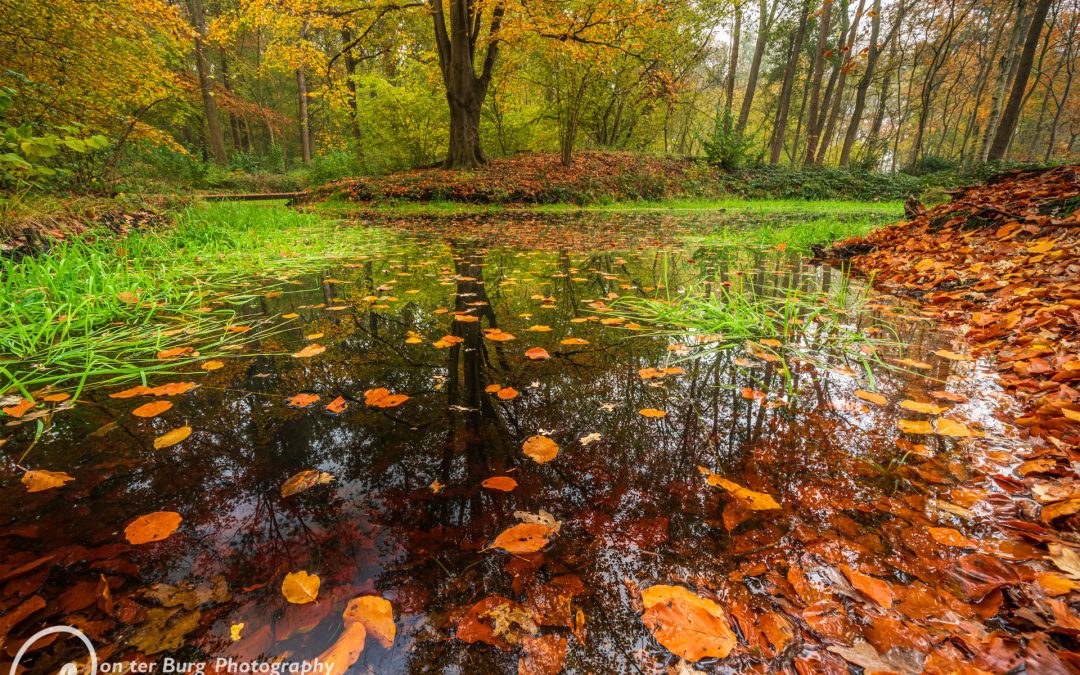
pixel 304 480
pixel 377 615
pixel 523 538
pixel 952 356
pixel 39 481
pixel 920 407
pixel 235 630
pixel 915 426
pixel 300 587
pixel 946 427
pixel 756 501
pixel 652 412
pixel 309 351
pixel 172 438
pixel 212 365
pixel 871 397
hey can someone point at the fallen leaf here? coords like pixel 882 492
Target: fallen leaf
pixel 503 483
pixel 507 393
pixel 304 480
pixel 152 527
pixel 39 481
pixel 300 587
pixel 382 398
pixel 523 538
pixel 57 398
pixel 436 486
pixel 309 351
pixel 20 408
pixel 301 400
pixel 951 537
pixel 652 413
pixel 871 397
pixel 926 408
pixel 952 356
pixel 377 616
pixel 878 590
pixel 151 409
pixel 174 352
pixel 573 341
pixel 544 655
pixel 212 365
pixel 915 426
pixel 337 406
pixel 540 449
pixel 172 438
pixel 236 630
pixel 686 624
pixel 537 354
pixel 755 501
pixel 947 427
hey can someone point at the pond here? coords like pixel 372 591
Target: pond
pixel 635 413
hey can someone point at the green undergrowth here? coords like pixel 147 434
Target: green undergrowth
pixel 97 309
pixel 796 235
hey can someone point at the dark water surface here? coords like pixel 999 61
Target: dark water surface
pixel 634 508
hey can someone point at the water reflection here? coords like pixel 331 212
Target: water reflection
pixel 406 517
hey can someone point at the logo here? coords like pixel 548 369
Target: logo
pixel 68 668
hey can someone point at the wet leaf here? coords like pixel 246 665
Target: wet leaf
pixel 174 352
pixel 19 409
pixel 300 587
pixel 523 538
pixel 686 624
pixel 337 406
pixel 652 412
pixel 236 630
pixel 345 651
pixel 173 389
pixel 152 527
pixel 304 480
pixel 57 398
pixel 377 616
pixel 39 481
pixel 382 398
pixel 864 655
pixel 541 517
pixel 507 393
pixel 212 365
pixel 537 354
pixel 752 394
pixel 544 655
pixel 503 483
pixel 172 438
pixel 309 351
pixel 436 486
pixel 140 390
pixel 573 342
pixel 151 409
pixel 871 397
pixel 951 537
pixel 1066 558
pixel 1055 585
pixel 540 449
pixel 915 426
pixel 878 590
pixel 947 427
pixel 301 400
pixel 755 501
pixel 952 356
pixel 926 408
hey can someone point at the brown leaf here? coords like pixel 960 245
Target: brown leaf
pixel 305 480
pixel 544 655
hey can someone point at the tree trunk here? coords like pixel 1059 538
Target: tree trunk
pixel 783 105
pixel 1011 115
pixel 305 122
pixel 864 82
pixel 215 138
pixel 765 19
pixel 350 85
pixel 729 94
pixel 815 83
pixel 1001 84
pixel 837 93
pixel 465 89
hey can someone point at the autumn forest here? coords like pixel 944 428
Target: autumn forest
pixel 343 337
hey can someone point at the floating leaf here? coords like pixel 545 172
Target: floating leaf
pixel 946 427
pixel 151 409
pixel 573 341
pixel 686 624
pixel 382 398
pixel 236 630
pixel 174 352
pixel 309 351
pixel 20 408
pixel 537 354
pixel 503 483
pixel 652 412
pixel 212 365
pixel 926 408
pixel 172 438
pixel 57 398
pixel 377 616
pixel 337 406
pixel 523 538
pixel 436 486
pixel 871 397
pixel 507 393
pixel 304 480
pixel 915 426
pixel 39 481
pixel 152 527
pixel 952 356
pixel 540 449
pixel 300 588
pixel 301 400
pixel 755 501
pixel 132 392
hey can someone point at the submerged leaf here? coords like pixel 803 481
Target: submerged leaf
pixel 377 616
pixel 503 483
pixel 151 409
pixel 152 527
pixel 304 480
pixel 309 351
pixel 523 538
pixel 172 438
pixel 39 481
pixel 871 397
pixel 755 501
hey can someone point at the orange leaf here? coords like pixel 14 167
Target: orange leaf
pixel 915 426
pixel 309 351
pixel 212 365
pixel 755 501
pixel 574 341
pixel 304 480
pixel 302 400
pixel 687 625
pixel 172 438
pixel 377 616
pixel 39 481
pixel 878 590
pixel 172 389
pixel 950 537
pixel 926 408
pixel 20 408
pixel 152 527
pixel 652 412
pixel 871 397
pixel 507 393
pixel 174 352
pixel 540 449
pixel 300 588
pixel 382 398
pixel 503 483
pixel 337 406
pixel 537 354
pixel 523 538
pixel 151 409
pixel 134 391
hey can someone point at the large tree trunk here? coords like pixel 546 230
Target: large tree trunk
pixel 733 64
pixel 1005 75
pixel 864 82
pixel 817 72
pixel 465 89
pixel 1011 115
pixel 305 121
pixel 765 19
pixel 215 138
pixel 783 105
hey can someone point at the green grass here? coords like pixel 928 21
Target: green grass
pixel 97 309
pixel 762 206
pixel 799 236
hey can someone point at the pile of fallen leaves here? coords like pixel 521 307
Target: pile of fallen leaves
pixel 534 178
pixel 1001 262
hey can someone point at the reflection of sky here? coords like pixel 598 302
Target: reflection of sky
pixel 633 504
